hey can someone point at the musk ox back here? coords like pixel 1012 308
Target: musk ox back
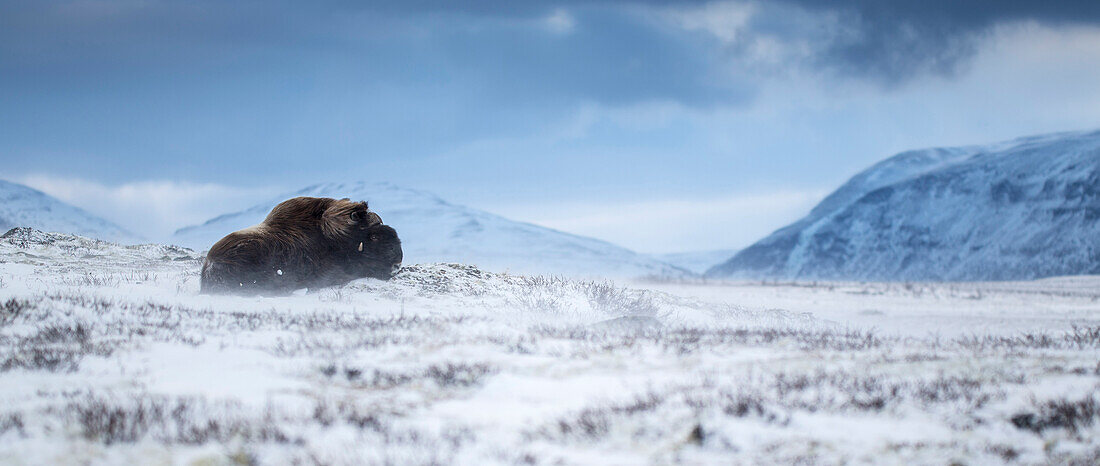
pixel 305 242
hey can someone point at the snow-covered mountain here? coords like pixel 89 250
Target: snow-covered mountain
pixel 21 206
pixel 1021 209
pixel 433 230
pixel 696 261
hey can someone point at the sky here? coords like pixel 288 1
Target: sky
pixel 660 126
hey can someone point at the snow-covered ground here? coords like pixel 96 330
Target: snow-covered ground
pixel 109 355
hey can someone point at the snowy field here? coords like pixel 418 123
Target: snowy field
pixel 109 355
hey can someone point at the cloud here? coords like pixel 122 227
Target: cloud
pixel 152 209
pixel 560 21
pixel 887 41
pixel 674 225
pixel 726 20
pixel 492 51
pixel 602 51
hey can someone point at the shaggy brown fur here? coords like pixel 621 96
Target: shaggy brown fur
pixel 305 242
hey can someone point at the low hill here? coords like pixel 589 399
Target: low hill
pixel 22 206
pixel 434 230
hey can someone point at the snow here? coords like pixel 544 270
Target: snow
pixel 919 309
pixel 21 206
pixel 434 230
pixel 108 355
pixel 1022 209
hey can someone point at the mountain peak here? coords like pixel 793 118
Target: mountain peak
pixel 1020 209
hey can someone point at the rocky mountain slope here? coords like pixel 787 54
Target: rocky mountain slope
pixel 1021 209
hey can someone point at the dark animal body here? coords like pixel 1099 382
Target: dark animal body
pixel 305 242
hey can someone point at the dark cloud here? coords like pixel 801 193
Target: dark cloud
pixel 891 41
pixel 897 40
pixel 887 40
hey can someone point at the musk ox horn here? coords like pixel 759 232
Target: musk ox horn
pixel 360 246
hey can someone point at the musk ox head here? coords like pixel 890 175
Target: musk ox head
pixel 305 242
pixel 378 254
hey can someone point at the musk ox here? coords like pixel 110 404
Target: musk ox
pixel 305 242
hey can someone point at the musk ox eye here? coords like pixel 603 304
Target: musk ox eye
pixel 374 237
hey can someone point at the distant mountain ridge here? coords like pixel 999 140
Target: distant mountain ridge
pixel 1021 209
pixel 434 230
pixel 696 261
pixel 22 206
